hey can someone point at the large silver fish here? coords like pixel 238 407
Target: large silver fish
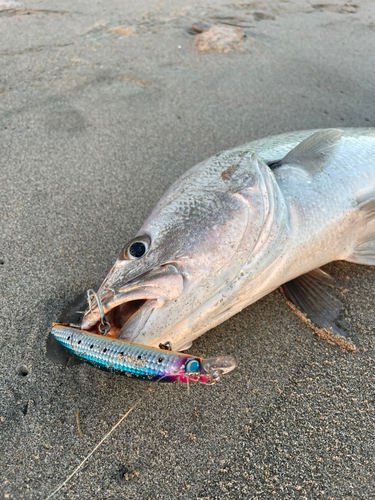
pixel 239 225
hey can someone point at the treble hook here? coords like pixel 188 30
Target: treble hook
pixel 104 326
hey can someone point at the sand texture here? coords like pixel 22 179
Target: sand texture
pixel 102 106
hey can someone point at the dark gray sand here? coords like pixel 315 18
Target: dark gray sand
pixel 95 124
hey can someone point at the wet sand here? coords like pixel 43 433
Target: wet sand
pixel 102 107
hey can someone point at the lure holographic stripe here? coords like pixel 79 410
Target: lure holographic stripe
pixel 140 361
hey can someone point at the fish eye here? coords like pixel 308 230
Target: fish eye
pixel 136 248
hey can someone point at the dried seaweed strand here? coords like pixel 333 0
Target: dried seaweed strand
pixel 92 452
pixel 80 433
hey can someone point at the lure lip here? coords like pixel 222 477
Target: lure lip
pixel 186 367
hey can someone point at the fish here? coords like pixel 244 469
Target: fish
pixel 139 361
pixel 239 225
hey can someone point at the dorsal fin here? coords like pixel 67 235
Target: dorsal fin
pixel 311 153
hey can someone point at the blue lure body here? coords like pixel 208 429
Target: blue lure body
pixel 135 360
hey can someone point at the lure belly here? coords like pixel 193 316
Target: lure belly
pixel 140 361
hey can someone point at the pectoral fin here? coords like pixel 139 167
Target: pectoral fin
pixel 310 296
pixel 312 153
pixel 364 252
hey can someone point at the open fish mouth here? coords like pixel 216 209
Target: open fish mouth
pixel 128 307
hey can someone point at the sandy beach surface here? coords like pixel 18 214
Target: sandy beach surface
pixel 102 106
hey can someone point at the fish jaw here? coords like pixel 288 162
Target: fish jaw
pixel 134 302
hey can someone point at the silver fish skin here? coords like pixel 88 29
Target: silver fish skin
pixel 237 226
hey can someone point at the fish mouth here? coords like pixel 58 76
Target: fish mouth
pixel 128 307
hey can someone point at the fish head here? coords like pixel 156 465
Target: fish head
pixel 174 279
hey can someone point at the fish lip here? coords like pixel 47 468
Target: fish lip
pixel 149 290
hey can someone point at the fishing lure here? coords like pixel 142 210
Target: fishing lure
pixel 140 361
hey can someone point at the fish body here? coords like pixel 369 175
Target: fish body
pixel 237 226
pixel 139 361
